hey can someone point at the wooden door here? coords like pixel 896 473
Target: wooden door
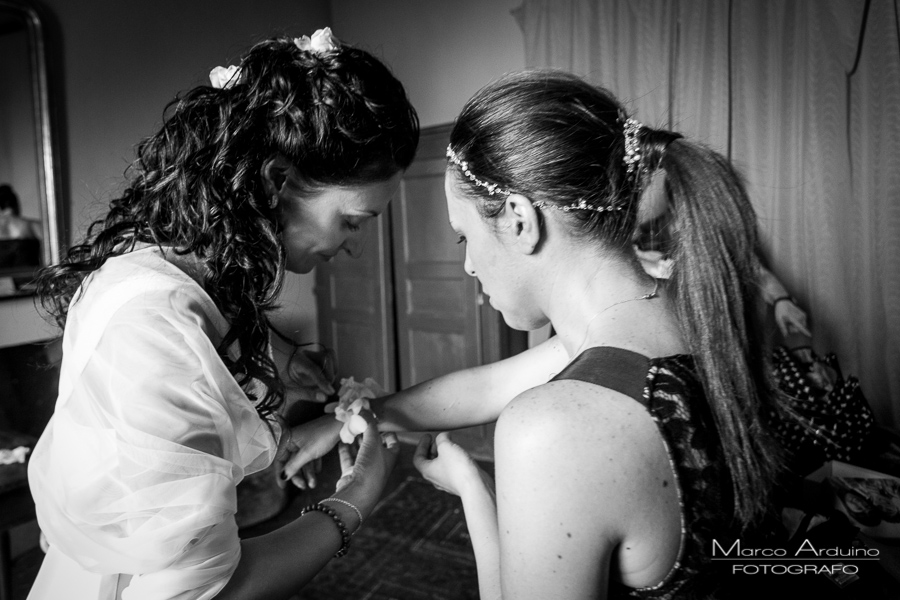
pixel 439 321
pixel 355 304
pixel 407 311
pixel 437 312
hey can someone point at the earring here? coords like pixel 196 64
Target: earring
pixel 274 201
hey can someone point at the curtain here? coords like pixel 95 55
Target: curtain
pixel 803 97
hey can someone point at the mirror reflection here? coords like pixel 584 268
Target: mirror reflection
pixel 27 196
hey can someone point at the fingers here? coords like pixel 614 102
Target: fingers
pixel 309 472
pixel 346 459
pixel 294 464
pixel 306 372
pixel 391 442
pixel 371 436
pixel 423 452
pixel 802 328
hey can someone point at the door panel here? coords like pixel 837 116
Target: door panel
pixel 438 317
pixel 437 310
pixel 406 311
pixel 355 302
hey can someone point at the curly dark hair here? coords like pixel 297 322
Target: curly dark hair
pixel 340 117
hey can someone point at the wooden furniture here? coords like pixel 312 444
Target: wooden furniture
pixel 406 311
pixel 16 505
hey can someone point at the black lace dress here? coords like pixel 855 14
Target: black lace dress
pixel 670 391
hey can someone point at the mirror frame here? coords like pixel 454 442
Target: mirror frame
pixel 46 136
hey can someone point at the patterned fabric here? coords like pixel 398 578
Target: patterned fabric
pixel 673 396
pixel 832 418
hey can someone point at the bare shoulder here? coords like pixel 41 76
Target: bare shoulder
pixel 576 431
pixel 598 459
pixel 571 412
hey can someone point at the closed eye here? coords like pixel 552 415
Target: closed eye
pixel 461 240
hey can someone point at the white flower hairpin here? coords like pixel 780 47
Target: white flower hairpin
pixel 223 78
pixel 321 41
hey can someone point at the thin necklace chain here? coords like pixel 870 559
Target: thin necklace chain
pixel 587 328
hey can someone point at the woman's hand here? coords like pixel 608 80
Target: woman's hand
pixel 308 376
pixel 447 466
pixel 365 471
pixel 298 457
pixel 790 318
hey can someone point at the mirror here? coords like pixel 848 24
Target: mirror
pixel 29 193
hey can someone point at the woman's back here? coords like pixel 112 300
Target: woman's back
pixel 692 501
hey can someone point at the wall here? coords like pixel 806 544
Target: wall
pixel 442 51
pixel 123 61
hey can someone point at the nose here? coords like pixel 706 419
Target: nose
pixel 353 245
pixel 467 265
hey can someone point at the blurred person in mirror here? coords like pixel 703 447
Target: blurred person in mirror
pixel 13 226
pixel 20 244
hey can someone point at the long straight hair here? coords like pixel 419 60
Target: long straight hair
pixel 715 292
pixel 553 137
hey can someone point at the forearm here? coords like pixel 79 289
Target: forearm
pixel 480 507
pixel 452 401
pixel 770 288
pixel 277 565
pixel 472 396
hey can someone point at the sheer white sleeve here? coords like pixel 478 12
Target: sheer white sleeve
pixel 137 471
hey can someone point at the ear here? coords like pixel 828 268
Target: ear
pixel 275 172
pixel 655 263
pixel 522 223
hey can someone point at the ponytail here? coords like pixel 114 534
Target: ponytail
pixel 714 244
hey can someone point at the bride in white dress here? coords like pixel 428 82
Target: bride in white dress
pixel 168 393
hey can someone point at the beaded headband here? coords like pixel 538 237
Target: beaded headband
pixel 580 205
pixel 492 188
pixel 632 159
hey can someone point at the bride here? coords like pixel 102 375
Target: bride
pixel 168 391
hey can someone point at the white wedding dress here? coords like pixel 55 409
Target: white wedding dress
pixel 134 478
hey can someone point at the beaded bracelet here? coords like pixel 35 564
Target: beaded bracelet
pixel 345 503
pixel 345 535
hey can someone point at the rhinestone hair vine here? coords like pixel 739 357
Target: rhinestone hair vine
pixel 580 205
pixel 492 188
pixel 632 145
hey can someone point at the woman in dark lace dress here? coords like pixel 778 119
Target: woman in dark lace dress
pixel 633 440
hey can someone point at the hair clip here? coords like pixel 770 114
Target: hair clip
pixel 223 78
pixel 632 145
pixel 322 41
